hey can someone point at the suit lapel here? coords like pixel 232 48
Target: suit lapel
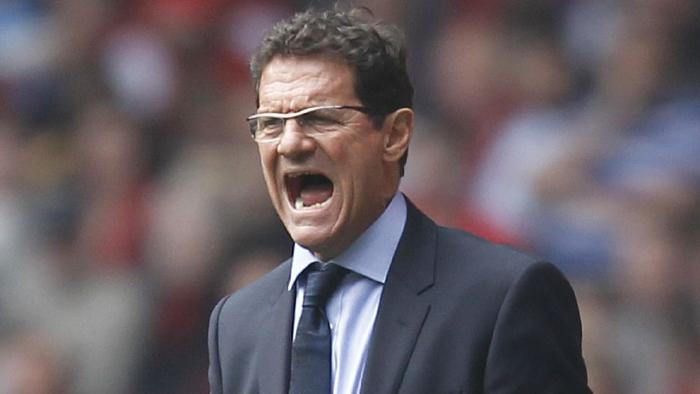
pixel 403 307
pixel 275 344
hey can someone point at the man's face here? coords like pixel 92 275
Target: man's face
pixel 329 188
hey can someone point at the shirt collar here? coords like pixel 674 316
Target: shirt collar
pixel 371 254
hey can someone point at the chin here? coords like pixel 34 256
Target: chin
pixel 316 240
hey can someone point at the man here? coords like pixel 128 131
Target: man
pixel 416 308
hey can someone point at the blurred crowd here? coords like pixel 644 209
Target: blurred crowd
pixel 131 197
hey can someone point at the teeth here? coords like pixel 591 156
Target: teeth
pixel 299 204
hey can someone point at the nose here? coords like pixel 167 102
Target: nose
pixel 293 142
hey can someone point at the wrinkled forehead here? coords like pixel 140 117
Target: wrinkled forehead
pixel 294 83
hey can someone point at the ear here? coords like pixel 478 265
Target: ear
pixel 399 126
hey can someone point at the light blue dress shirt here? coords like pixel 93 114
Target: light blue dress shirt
pixel 353 307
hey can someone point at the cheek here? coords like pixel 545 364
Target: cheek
pixel 359 151
pixel 366 158
pixel 267 163
pixel 363 167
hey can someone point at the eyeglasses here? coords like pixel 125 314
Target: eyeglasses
pixel 315 121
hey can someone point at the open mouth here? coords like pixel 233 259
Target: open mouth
pixel 308 190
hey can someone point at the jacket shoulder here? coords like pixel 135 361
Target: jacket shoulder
pixel 235 331
pixel 471 255
pixel 248 299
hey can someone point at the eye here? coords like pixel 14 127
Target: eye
pixel 270 124
pixel 321 118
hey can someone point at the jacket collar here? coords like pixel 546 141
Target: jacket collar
pixel 404 305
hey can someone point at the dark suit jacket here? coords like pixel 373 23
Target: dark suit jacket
pixel 457 315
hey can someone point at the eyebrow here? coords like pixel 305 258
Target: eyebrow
pixel 296 108
pixel 292 114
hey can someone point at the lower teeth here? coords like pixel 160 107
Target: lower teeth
pixel 299 204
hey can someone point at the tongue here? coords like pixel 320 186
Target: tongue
pixel 314 194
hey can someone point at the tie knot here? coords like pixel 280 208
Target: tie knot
pixel 321 281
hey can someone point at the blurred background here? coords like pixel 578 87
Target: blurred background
pixel 131 197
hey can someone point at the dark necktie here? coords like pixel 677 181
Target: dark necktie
pixel 311 350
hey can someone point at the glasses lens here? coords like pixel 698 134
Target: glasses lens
pixel 253 127
pixel 322 119
pixel 266 127
pixel 313 121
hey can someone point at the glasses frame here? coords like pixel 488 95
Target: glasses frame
pixel 292 115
